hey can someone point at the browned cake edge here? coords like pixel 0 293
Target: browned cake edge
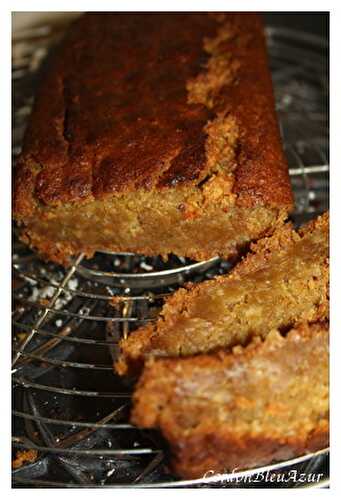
pixel 133 348
pixel 218 449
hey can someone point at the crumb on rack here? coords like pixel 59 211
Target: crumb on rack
pixel 23 457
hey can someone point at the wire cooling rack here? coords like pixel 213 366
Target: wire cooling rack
pixel 70 411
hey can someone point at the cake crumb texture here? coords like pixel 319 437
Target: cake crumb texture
pixel 282 281
pixel 235 410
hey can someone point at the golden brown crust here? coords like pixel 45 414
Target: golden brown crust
pixel 282 281
pixel 114 116
pixel 263 403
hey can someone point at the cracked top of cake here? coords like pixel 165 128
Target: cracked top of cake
pixel 154 101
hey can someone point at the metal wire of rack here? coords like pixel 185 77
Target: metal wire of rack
pixel 69 408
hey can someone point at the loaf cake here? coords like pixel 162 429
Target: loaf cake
pixel 282 281
pixel 225 412
pixel 153 133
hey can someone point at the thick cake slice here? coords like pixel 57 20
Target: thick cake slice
pixel 230 411
pixel 153 133
pixel 282 281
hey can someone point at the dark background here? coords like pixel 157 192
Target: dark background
pixel 316 23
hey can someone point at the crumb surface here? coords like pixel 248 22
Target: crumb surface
pixel 282 281
pixel 23 457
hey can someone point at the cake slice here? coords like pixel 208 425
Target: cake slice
pixel 225 412
pixel 282 281
pixel 153 133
